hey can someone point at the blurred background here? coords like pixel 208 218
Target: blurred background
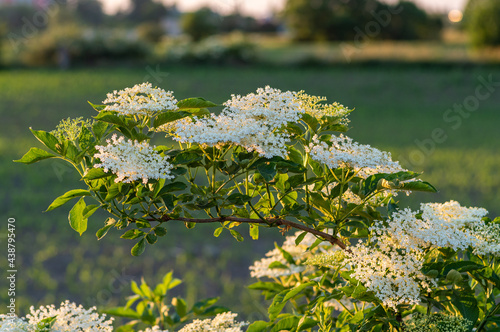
pixel 423 77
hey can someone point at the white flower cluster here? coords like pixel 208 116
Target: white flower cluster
pixel 131 160
pixel 141 99
pixel 224 322
pixel 314 106
pixel 15 324
pixel 299 254
pixel 391 273
pixel 153 329
pixel 69 318
pixel 390 266
pixel 254 121
pixel 343 152
pixel 441 225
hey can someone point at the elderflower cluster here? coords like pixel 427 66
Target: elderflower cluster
pixel 393 274
pixel 71 129
pixel 440 225
pixel 275 265
pixel 153 329
pixel 15 324
pixel 68 318
pixel 390 264
pixel 141 99
pixel 342 151
pixel 314 106
pixel 224 322
pixel 254 121
pixel 132 160
pixel 436 323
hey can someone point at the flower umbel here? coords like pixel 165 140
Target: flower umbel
pixel 71 318
pixel 254 121
pixel 223 322
pixel 131 160
pixel 342 151
pixel 141 99
pixel 71 128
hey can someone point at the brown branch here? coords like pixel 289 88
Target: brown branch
pixel 271 222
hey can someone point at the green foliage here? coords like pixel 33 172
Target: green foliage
pixel 482 20
pixel 355 20
pixel 200 24
pixel 152 306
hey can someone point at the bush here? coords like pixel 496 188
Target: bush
pixel 200 24
pixel 483 22
pixel 234 48
pixel 63 45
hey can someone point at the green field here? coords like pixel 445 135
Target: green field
pixel 396 109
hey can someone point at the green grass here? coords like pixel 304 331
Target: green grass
pixel 394 106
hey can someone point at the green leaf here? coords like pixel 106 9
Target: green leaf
pixel 132 234
pixel 174 186
pixel 46 324
pixel 267 286
pixel 103 231
pixel 114 118
pixel 279 301
pixel 99 128
pixel 465 301
pixel 186 158
pixel 34 155
pixel 419 186
pixel 151 238
pixel 300 238
pixel 254 231
pixel 139 248
pixel 76 217
pixel 166 117
pixel 258 326
pixel 63 199
pixel 113 191
pixel 160 231
pixel 196 102
pixel 180 306
pixel 236 235
pixel 218 231
pixel 47 139
pixel 267 170
pixel 122 312
pixel 96 173
pixel 238 199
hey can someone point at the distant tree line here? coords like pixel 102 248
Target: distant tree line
pixel 345 20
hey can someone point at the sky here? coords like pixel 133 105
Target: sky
pixel 263 8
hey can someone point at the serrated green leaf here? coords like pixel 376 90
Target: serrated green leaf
pixel 96 173
pixel 63 199
pixel 166 117
pixel 76 219
pixel 34 155
pixel 258 326
pixel 196 102
pixel 47 139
